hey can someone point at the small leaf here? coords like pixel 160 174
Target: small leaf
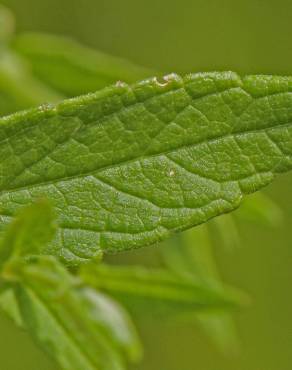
pixel 158 292
pixel 227 229
pixel 222 330
pixel 71 68
pixel 260 209
pixel 18 88
pixel 190 256
pixel 9 305
pixel 129 165
pixel 7 24
pixel 80 328
pixel 32 229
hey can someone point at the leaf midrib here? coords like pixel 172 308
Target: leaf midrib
pixel 165 153
pixel 182 84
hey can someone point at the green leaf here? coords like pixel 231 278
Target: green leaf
pixel 29 232
pixel 80 328
pixel 158 291
pixel 127 166
pixel 71 68
pixel 260 209
pixel 227 229
pixel 9 305
pixel 221 329
pixel 18 88
pixel 190 256
pixel 7 24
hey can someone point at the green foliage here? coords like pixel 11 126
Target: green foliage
pixel 18 88
pixel 159 291
pixel 6 25
pixel 71 68
pixel 190 256
pixel 177 152
pixel 125 167
pixel 29 232
pixel 79 327
pixel 258 208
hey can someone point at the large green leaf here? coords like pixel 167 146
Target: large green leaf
pixel 71 68
pixel 127 166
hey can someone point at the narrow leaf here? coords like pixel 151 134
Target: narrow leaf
pixel 221 329
pixel 9 305
pixel 127 166
pixel 18 88
pixel 7 24
pixel 227 230
pixel 158 292
pixel 190 255
pixel 260 209
pixel 71 68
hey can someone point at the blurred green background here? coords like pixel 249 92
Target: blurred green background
pixel 251 36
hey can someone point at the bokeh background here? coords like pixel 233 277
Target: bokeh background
pixel 247 36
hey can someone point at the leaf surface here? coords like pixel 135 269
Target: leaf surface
pixel 127 166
